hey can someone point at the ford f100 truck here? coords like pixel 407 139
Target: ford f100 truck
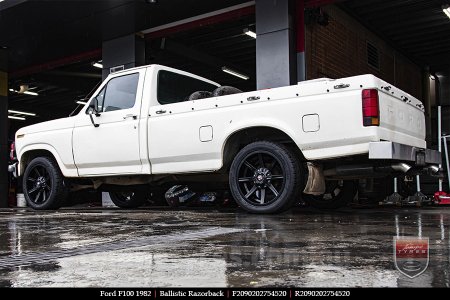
pixel 153 125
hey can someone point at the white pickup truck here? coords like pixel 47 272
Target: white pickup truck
pixel 153 125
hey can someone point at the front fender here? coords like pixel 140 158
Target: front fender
pixel 68 170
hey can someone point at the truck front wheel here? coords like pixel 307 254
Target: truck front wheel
pixel 128 199
pixel 43 184
pixel 264 177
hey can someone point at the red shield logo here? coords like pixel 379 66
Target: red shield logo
pixel 411 255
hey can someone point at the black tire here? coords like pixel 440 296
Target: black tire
pixel 225 90
pixel 265 178
pixel 43 184
pixel 200 95
pixel 338 194
pixel 128 199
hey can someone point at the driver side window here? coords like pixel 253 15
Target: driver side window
pixel 119 93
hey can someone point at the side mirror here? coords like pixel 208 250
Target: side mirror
pixel 93 107
pixel 93 110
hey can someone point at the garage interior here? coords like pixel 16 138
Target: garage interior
pixel 54 53
pixel 57 57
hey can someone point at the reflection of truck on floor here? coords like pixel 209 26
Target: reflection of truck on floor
pixel 153 126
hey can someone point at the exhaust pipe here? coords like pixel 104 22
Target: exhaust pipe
pixel 401 167
pixel 433 169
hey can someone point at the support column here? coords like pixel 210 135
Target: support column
pixel 275 49
pixel 426 99
pixel 122 53
pixel 300 40
pixel 4 187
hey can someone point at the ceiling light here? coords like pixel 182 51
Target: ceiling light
pixel 446 9
pixel 81 102
pixel 98 64
pixel 235 73
pixel 24 92
pixel 16 118
pixel 31 93
pixel 21 112
pixel 250 33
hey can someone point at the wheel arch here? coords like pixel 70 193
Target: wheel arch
pixel 42 150
pixel 238 139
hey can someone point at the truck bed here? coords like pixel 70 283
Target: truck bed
pixel 323 117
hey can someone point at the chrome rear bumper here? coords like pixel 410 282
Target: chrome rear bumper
pixel 401 152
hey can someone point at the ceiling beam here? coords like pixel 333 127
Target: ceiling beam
pixel 215 17
pixel 93 54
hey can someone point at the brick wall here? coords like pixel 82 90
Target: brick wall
pixel 340 50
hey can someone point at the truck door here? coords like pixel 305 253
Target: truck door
pixel 108 143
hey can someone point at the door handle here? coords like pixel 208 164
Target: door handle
pixel 158 112
pixel 130 116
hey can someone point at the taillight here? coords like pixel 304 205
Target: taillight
pixel 370 107
pixel 11 153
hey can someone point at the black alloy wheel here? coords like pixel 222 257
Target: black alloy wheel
pixel 128 199
pixel 264 177
pixel 43 184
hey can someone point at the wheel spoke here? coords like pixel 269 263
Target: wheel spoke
pixel 44 194
pixel 47 187
pixel 31 179
pixel 250 166
pixel 261 161
pixel 262 195
pixel 252 190
pixel 272 165
pixel 37 172
pixel 36 200
pixel 273 189
pixel 33 190
pixel 275 177
pixel 245 179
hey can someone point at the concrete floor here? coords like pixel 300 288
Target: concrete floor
pixel 210 248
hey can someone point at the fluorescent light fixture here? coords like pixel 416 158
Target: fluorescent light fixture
pixel 21 113
pixel 446 9
pixel 26 92
pixel 16 118
pixel 235 73
pixel 81 102
pixel 31 93
pixel 98 64
pixel 250 33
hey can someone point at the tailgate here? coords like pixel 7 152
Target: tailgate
pixel 401 113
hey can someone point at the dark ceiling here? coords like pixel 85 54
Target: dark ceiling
pixel 38 33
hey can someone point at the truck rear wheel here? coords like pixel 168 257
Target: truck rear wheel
pixel 264 177
pixel 43 184
pixel 128 199
pixel 338 194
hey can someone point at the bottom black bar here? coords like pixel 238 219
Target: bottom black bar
pixel 223 293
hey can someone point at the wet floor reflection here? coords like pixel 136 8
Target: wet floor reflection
pixel 298 248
